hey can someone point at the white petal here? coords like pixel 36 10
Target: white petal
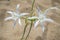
pixel 42 26
pixel 36 23
pixel 8 18
pixel 14 24
pixel 18 5
pixel 23 14
pixel 17 8
pixel 15 20
pixel 48 20
pixel 10 12
pixel 39 11
pixel 19 21
pixel 49 9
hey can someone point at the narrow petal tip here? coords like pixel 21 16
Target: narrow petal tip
pixel 18 5
pixel 23 14
pixel 8 18
pixel 19 21
pixel 36 23
pixel 9 12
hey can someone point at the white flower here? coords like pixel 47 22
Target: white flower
pixel 42 17
pixel 15 15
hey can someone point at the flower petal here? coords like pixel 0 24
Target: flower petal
pixel 23 14
pixel 42 26
pixel 10 12
pixel 39 11
pixel 15 20
pixel 18 5
pixel 8 18
pixel 17 8
pixel 36 23
pixel 19 21
pixel 48 20
pixel 14 24
pixel 46 11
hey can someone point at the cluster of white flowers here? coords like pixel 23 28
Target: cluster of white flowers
pixel 41 18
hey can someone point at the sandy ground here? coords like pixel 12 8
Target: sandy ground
pixel 8 32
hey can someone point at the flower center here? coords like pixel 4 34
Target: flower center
pixel 16 16
pixel 41 17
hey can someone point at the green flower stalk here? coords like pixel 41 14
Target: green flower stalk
pixel 31 20
pixel 24 29
pixel 27 23
pixel 29 30
pixel 32 7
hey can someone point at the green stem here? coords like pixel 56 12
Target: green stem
pixel 31 21
pixel 24 31
pixel 32 7
pixel 33 4
pixel 29 30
